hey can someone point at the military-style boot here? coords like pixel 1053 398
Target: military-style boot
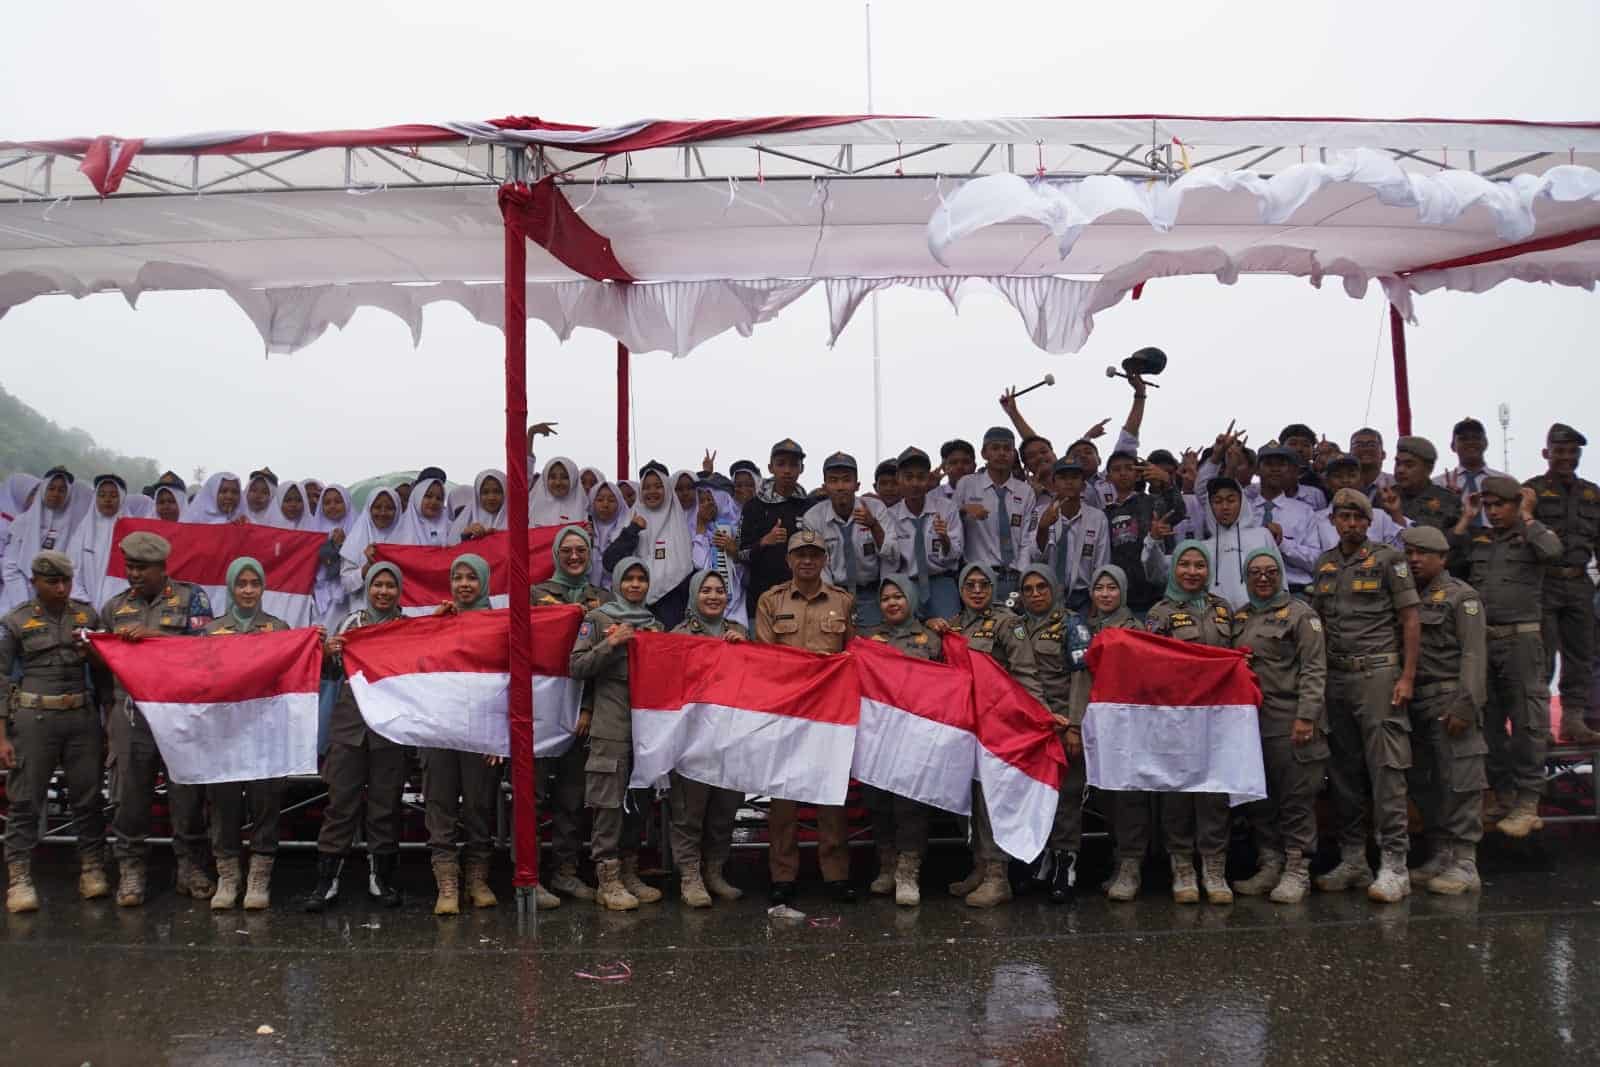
pixel 1523 818
pixel 690 888
pixel 130 883
pixel 478 890
pixel 1351 873
pixel 907 872
pixel 1269 869
pixel 644 894
pixel 1296 880
pixel 1125 884
pixel 447 876
pixel 327 888
pixel 1393 884
pixel 1439 860
pixel 226 894
pixel 1060 870
pixel 1214 878
pixel 1184 888
pixel 717 882
pixel 544 900
pixel 92 883
pixel 20 894
pixel 994 889
pixel 193 881
pixel 258 887
pixel 883 885
pixel 566 882
pixel 613 895
pixel 970 882
pixel 1574 731
pixel 381 885
pixel 1496 806
pixel 1462 874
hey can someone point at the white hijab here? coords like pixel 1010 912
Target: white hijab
pixel 178 496
pixel 474 511
pixel 665 543
pixel 547 510
pixel 269 515
pixel 27 536
pixel 319 523
pixel 91 547
pixel 418 530
pixel 363 532
pixel 14 496
pixel 275 516
pixel 605 532
pixel 203 508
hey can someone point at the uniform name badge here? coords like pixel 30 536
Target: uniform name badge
pixel 661 550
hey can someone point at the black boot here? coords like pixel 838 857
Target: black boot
pixel 1064 876
pixel 380 879
pixel 327 890
pixel 841 891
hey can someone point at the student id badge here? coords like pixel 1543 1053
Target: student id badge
pixel 661 550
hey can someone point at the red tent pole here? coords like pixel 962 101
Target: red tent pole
pixel 622 410
pixel 1402 381
pixel 524 806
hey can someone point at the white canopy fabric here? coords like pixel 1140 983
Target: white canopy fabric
pixel 724 224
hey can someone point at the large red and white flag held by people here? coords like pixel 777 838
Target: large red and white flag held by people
pixel 427 568
pixel 201 554
pixel 225 709
pixel 917 737
pixel 1170 716
pixel 445 682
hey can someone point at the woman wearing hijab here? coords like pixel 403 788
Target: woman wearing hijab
pixel 247 584
pixel 703 815
pixel 630 492
pixel 1194 821
pixel 217 502
pixel 683 488
pixel 459 787
pixel 329 601
pixel 659 533
pixel 169 503
pixel 557 499
pixel 427 522
pixel 91 545
pixel 569 584
pixel 58 507
pixel 379 524
pixel 600 659
pixel 1131 816
pixel 900 824
pixel 360 763
pixel 608 516
pixel 258 500
pixel 716 543
pixel 289 509
pixel 485 512
pixel 588 478
pixel 1287 653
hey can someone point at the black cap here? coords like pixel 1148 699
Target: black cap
pixel 1466 426
pixel 1341 461
pixel 1162 456
pixel 172 478
pixel 58 471
pixel 1001 434
pixel 1145 361
pixel 266 474
pixel 913 457
pixel 121 483
pixel 1562 434
pixel 744 465
pixel 839 461
pixel 1296 429
pixel 1219 484
pixel 1068 466
pixel 888 467
pixel 425 473
pixel 787 447
pixel 1273 450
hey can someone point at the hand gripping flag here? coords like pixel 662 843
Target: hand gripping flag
pixel 1170 716
pixel 225 709
pixel 427 568
pixel 917 737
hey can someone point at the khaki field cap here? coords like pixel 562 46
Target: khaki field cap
pixel 1352 498
pixel 52 564
pixel 145 547
pixel 1427 538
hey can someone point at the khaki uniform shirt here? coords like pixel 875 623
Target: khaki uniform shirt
pixel 261 624
pixel 1436 507
pixel 1572 512
pixel 1083 681
pixel 917 640
pixel 1359 599
pixel 822 622
pixel 1211 626
pixel 346 726
pixel 995 632
pixel 1059 642
pixel 1453 646
pixel 1508 570
pixel 180 608
pixel 51 664
pixel 604 671
pixel 692 625
pixel 553 592
pixel 1290 662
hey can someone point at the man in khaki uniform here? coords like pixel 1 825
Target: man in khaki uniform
pixel 52 716
pixel 1424 503
pixel 1446 736
pixel 1368 603
pixel 1508 559
pixel 805 612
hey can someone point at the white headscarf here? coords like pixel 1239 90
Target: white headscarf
pixel 27 540
pixel 269 515
pixel 708 557
pixel 665 543
pixel 458 499
pixel 177 494
pixel 318 523
pixel 474 512
pixel 139 506
pixel 14 495
pixel 364 533
pixel 605 532
pixel 91 547
pixel 418 530
pixel 275 516
pixel 547 510
pixel 203 508
pixel 677 476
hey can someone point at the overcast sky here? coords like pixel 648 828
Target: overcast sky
pixel 183 378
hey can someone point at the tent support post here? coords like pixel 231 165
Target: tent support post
pixel 525 825
pixel 1402 381
pixel 622 410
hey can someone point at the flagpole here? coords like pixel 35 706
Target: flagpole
pixel 877 359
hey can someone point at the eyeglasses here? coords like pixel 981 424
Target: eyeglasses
pixel 1263 572
pixel 975 587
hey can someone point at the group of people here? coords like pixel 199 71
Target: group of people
pixel 1403 626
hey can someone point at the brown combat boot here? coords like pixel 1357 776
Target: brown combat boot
pixel 907 872
pixel 92 883
pixel 1295 882
pixel 1523 818
pixel 883 885
pixel 193 881
pixel 1214 878
pixel 566 882
pixel 258 887
pixel 691 888
pixel 717 882
pixel 994 889
pixel 1462 874
pixel 1438 862
pixel 20 894
pixel 1393 883
pixel 1574 731
pixel 1125 885
pixel 1185 890
pixel 1351 873
pixel 544 900
pixel 447 876
pixel 970 882
pixel 478 885
pixel 613 895
pixel 644 894
pixel 226 894
pixel 130 883
pixel 1496 806
pixel 1269 868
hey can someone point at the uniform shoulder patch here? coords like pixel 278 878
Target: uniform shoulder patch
pixel 1316 624
pixel 1402 571
pixel 1438 596
pixel 1328 568
pixel 884 638
pixel 1471 607
pixel 1021 632
pixel 586 629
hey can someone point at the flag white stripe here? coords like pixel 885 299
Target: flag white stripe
pixel 1214 748
pixel 912 756
pixel 267 737
pixel 417 611
pixel 1022 809
pixel 745 750
pixel 466 710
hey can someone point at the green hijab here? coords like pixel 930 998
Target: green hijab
pixel 966 614
pixel 373 614
pixel 1097 621
pixel 1175 592
pixel 1055 590
pixel 1278 598
pixel 573 585
pixel 480 567
pixel 236 568
pixel 903 583
pixel 712 626
pixel 617 607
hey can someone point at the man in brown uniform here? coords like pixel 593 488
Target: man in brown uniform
pixel 1508 559
pixel 153 605
pixel 1424 503
pixel 1570 506
pixel 1368 603
pixel 805 612
pixel 50 717
pixel 1446 738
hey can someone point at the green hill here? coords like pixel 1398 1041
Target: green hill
pixel 30 442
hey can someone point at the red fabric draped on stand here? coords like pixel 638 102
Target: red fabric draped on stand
pixel 540 213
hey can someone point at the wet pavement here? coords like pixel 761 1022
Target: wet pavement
pixel 1511 975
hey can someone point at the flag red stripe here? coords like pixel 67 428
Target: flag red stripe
pixel 1012 726
pixel 215 670
pixel 667 671
pixel 476 642
pixel 1134 667
pixel 930 690
pixel 427 569
pixel 201 553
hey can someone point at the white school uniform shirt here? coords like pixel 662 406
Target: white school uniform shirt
pixel 904 531
pixel 1085 538
pixel 1301 544
pixel 982 536
pixel 1383 529
pixel 841 535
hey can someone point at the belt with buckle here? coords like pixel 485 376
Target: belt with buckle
pixel 1512 629
pixel 1361 663
pixel 1567 572
pixel 64 702
pixel 1434 689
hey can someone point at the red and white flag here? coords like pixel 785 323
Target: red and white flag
pixel 201 554
pixel 917 737
pixel 445 682
pixel 427 568
pixel 1171 716
pixel 225 709
pixel 754 718
pixel 1020 760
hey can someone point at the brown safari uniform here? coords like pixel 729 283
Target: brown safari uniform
pixel 560 778
pixel 1447 773
pixel 1131 816
pixel 702 815
pixel 1289 660
pixel 359 760
pixel 994 631
pixel 1359 598
pixel 899 823
pixel 1572 512
pixel 1059 641
pixel 265 795
pixel 821 622
pixel 1194 822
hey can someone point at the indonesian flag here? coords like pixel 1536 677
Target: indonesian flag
pixel 201 554
pixel 427 568
pixel 1170 716
pixel 761 719
pixel 445 681
pixel 1020 760
pixel 232 708
pixel 917 736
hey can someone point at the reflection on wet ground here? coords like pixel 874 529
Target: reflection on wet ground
pixel 1512 974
